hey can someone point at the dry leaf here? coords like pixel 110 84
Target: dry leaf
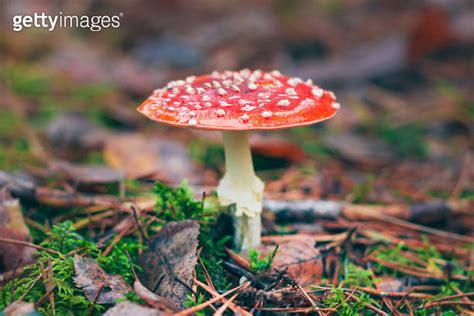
pixel 171 263
pixel 151 298
pixel 299 257
pixel 432 32
pixel 364 150
pixel 140 157
pixel 92 279
pixel 19 308
pixel 12 226
pixel 73 132
pixel 87 173
pixel 389 284
pixel 277 147
pixel 132 309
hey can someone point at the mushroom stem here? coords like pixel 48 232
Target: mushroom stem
pixel 241 186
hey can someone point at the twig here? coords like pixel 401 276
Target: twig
pixel 93 218
pixel 236 309
pixel 413 270
pixel 410 309
pixel 197 308
pixel 385 300
pixel 206 274
pixel 400 301
pixel 304 310
pixel 12 289
pixel 50 285
pixel 445 298
pixel 131 264
pixel 27 244
pixel 348 297
pixel 238 259
pixel 22 297
pixel 394 294
pixel 444 303
pixel 142 232
pixel 224 306
pixel 115 240
pixel 44 297
pixel 306 295
pixel 370 306
pixel 91 308
pixel 421 228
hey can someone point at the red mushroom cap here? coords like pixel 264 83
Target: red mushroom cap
pixel 240 100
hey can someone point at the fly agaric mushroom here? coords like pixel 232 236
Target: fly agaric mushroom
pixel 236 102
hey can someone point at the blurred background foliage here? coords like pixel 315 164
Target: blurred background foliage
pixel 401 70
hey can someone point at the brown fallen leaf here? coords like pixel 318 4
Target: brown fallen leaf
pixel 12 226
pixel 299 257
pixel 363 150
pixel 87 173
pixel 72 132
pixel 19 308
pixel 151 298
pixel 139 157
pixel 58 198
pixel 277 147
pixel 98 286
pixel 432 32
pixel 389 284
pixel 128 308
pixel 168 267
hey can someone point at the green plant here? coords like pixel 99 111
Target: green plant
pixel 176 204
pixel 69 300
pixel 362 190
pixel 407 140
pixel 357 276
pixel 179 204
pixel 67 297
pixel 337 299
pixel 264 264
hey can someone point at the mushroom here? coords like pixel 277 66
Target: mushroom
pixel 236 102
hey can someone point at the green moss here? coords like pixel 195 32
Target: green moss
pixel 311 141
pixel 69 300
pixel 209 155
pixel 357 276
pixel 467 194
pixel 407 140
pixel 179 204
pixel 261 264
pixel 337 298
pixel 26 81
pixel 361 191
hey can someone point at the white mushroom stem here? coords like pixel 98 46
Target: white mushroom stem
pixel 241 186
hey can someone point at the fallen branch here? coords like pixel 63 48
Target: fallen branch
pixel 197 308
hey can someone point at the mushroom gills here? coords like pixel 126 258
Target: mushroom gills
pixel 240 186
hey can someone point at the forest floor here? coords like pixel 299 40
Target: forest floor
pixel 102 211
